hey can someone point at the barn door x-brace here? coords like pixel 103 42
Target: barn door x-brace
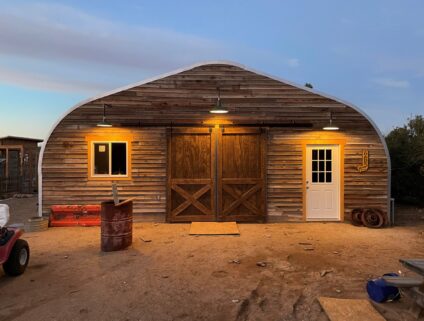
pixel 216 174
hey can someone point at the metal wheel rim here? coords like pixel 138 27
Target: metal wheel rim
pixel 372 219
pixel 23 256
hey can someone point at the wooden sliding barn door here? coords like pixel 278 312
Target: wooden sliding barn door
pixel 241 174
pixel 191 175
pixel 216 174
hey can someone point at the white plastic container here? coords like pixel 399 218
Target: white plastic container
pixel 4 215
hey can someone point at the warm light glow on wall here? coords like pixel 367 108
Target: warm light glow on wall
pixel 110 132
pixel 320 134
pixel 217 121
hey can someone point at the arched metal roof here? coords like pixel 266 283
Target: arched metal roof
pixel 177 71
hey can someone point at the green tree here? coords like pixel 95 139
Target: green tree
pixel 406 146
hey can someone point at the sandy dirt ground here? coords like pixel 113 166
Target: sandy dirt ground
pixel 180 277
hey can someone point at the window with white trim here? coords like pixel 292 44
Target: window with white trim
pixel 109 159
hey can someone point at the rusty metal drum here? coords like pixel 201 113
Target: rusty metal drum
pixel 116 225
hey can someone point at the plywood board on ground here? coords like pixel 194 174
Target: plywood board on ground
pixel 214 228
pixel 349 310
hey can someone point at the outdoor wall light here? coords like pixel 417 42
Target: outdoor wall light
pixel 104 123
pixel 330 125
pixel 218 108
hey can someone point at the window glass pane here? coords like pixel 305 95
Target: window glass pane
pixel 314 154
pixel 13 162
pixel 328 166
pixel 321 165
pixel 321 178
pixel 321 154
pixel 101 158
pixel 314 177
pixel 119 159
pixel 328 154
pixel 314 166
pixel 328 177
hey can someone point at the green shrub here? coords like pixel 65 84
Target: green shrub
pixel 406 146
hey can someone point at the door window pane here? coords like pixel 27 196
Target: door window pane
pixel 322 165
pixel 119 158
pixel 101 158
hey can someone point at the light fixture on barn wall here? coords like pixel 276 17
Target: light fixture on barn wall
pixel 104 123
pixel 330 125
pixel 219 108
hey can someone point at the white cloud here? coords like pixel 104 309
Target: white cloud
pixel 293 62
pixel 391 83
pixel 56 47
pixel 345 21
pixel 414 66
pixel 62 33
pixel 40 81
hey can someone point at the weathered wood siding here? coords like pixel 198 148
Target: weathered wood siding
pixel 285 163
pixel 65 170
pixel 185 99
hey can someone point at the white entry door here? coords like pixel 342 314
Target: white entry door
pixel 323 182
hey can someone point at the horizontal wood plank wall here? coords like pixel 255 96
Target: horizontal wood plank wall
pixel 285 189
pixel 65 171
pixel 185 99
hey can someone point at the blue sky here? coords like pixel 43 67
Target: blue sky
pixel 54 54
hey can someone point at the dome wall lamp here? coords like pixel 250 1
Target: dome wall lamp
pixel 330 125
pixel 104 123
pixel 219 108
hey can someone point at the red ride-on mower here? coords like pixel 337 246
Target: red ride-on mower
pixel 14 252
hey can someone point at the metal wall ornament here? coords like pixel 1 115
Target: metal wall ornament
pixel 365 161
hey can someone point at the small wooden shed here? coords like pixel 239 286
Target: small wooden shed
pixel 283 152
pixel 18 165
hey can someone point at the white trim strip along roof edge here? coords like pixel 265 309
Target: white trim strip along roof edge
pixel 177 71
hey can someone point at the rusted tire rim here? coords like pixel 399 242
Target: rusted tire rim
pixel 356 218
pixel 373 218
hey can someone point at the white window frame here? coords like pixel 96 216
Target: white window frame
pixel 93 158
